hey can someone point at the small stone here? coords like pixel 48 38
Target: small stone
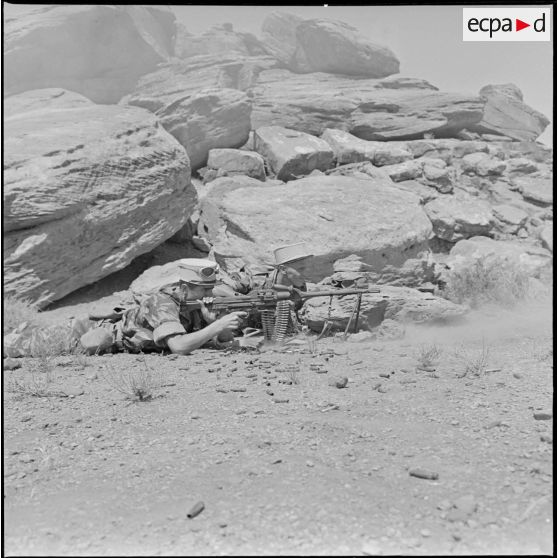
pixel 517 375
pixel 11 364
pixel 26 458
pixel 239 389
pixel 280 400
pixel 377 386
pixel 546 438
pixel 407 381
pixel 493 424
pixel 425 533
pixel 269 392
pixel 383 389
pixel 221 390
pixel 384 375
pixel 26 418
pixel 542 416
pixel 73 392
pixel 340 382
pixel 309 464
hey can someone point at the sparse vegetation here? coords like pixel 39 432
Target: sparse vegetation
pixel 429 355
pixel 136 384
pixel 488 279
pixel 16 311
pixel 36 382
pixel 475 362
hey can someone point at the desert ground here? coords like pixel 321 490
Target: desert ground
pixel 440 442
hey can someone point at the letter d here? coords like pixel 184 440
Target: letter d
pixel 541 20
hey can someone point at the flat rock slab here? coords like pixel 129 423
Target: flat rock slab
pixel 246 220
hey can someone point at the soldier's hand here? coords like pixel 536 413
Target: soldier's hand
pixel 232 321
pixel 207 315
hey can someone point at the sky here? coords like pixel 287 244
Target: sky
pixel 427 40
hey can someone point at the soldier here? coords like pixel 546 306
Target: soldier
pixel 156 323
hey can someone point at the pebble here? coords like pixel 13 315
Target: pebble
pixel 309 464
pixel 542 416
pixel 425 533
pixel 340 382
pixel 239 389
pixel 382 389
pixel 544 438
pixel 407 381
pixel 11 364
pixel 405 370
pixel 517 375
pixel 456 515
pixel 384 374
pixel 73 392
pixel 423 474
pixel 280 400
pixel 196 510
pixel 221 390
pixel 269 392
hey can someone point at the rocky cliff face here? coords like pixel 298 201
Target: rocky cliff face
pixel 308 133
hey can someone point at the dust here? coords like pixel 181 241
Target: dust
pixel 530 320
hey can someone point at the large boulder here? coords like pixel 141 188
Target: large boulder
pixel 86 190
pixel 291 154
pixel 401 304
pixel 319 45
pixel 246 219
pixel 96 50
pixel 505 113
pixel 314 102
pixel 460 216
pixel 530 257
pixel 219 39
pixel 209 119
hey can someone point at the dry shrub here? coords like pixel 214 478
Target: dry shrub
pixel 490 279
pixel 474 362
pixel 16 311
pixel 36 382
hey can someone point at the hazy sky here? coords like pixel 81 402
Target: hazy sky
pixel 426 39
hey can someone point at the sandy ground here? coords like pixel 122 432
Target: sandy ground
pixel 285 462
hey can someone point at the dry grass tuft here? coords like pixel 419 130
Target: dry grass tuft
pixel 490 279
pixel 136 385
pixel 37 382
pixel 475 362
pixel 429 355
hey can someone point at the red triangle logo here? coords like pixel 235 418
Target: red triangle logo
pixel 519 25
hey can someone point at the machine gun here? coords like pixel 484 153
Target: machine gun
pixel 277 299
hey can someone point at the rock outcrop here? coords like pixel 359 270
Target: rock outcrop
pixel 209 119
pixel 505 113
pixel 336 216
pixel 455 218
pixel 219 39
pixel 86 190
pixel 312 103
pixel 533 259
pixel 320 45
pixel 400 304
pixel 291 154
pixel 96 50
